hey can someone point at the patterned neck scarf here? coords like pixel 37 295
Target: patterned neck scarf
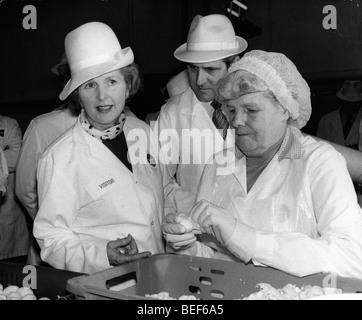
pixel 108 134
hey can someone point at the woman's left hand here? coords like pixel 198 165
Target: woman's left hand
pixel 124 250
pixel 214 220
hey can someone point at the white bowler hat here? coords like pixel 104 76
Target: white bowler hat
pixel 93 50
pixel 210 38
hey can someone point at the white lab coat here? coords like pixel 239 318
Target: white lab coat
pixel 13 227
pixel 301 215
pixel 41 132
pixel 186 112
pixel 88 197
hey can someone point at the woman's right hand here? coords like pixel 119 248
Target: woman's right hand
pixel 124 250
pixel 176 234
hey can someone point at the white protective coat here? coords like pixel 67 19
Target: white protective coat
pixel 88 197
pixel 181 117
pixel 301 215
pixel 40 133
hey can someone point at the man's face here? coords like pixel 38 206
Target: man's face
pixel 203 78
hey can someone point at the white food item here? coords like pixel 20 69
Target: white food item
pixel 29 297
pixel 13 292
pixel 290 292
pixel 166 296
pixel 189 224
pixel 10 289
pixel 23 291
pixel 186 297
pixel 14 296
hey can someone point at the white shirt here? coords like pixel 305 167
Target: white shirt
pixel 301 215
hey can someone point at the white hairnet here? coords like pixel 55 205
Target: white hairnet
pixel 283 80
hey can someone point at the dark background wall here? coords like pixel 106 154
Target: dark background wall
pixel 155 28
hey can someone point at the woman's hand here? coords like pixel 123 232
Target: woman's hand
pixel 214 220
pixel 124 250
pixel 177 235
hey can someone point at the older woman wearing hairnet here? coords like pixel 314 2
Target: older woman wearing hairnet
pixel 285 200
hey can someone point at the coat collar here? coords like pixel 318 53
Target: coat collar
pixel 96 148
pixel 291 147
pixel 190 103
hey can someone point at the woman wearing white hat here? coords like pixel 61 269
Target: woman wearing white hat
pixel 286 201
pixel 98 206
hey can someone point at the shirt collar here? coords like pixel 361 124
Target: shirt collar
pixel 291 147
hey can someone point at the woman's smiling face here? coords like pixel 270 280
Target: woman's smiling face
pixel 103 99
pixel 259 122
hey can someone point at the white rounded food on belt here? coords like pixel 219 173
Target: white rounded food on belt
pixel 13 292
pixel 166 296
pixel 290 292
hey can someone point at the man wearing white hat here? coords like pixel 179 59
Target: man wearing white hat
pixel 211 48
